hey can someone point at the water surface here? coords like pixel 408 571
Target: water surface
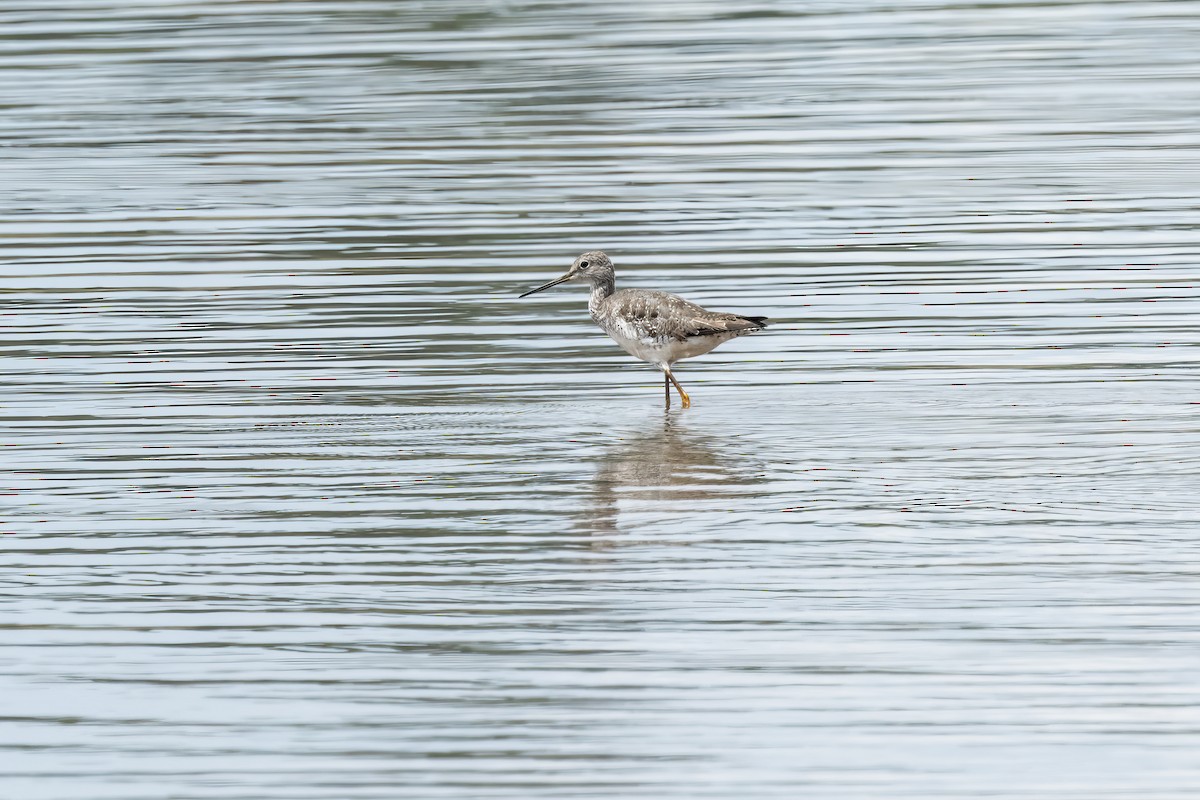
pixel 302 502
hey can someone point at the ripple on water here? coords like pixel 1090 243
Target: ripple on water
pixel 302 502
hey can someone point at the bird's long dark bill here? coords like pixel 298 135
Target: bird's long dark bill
pixel 544 287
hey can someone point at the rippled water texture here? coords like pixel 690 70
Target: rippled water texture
pixel 301 503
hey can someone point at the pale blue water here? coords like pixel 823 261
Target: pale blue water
pixel 301 502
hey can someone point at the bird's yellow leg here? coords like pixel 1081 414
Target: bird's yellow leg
pixel 687 401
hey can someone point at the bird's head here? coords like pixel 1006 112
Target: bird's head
pixel 592 267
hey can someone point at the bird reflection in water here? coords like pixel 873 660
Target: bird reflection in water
pixel 662 469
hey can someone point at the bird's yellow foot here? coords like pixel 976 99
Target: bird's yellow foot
pixel 683 396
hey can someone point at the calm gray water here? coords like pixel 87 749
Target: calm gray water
pixel 300 502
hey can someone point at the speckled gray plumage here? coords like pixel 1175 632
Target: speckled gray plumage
pixel 660 315
pixel 656 327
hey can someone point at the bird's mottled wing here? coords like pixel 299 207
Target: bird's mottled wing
pixel 645 314
pixel 712 323
pixel 660 315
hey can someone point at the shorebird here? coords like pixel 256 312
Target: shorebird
pixel 657 327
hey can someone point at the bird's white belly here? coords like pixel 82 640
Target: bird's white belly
pixel 661 350
pixel 647 349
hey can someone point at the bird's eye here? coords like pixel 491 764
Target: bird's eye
pixel 583 265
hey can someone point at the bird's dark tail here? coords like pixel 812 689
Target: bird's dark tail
pixel 759 321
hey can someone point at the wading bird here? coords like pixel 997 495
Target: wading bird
pixel 657 327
